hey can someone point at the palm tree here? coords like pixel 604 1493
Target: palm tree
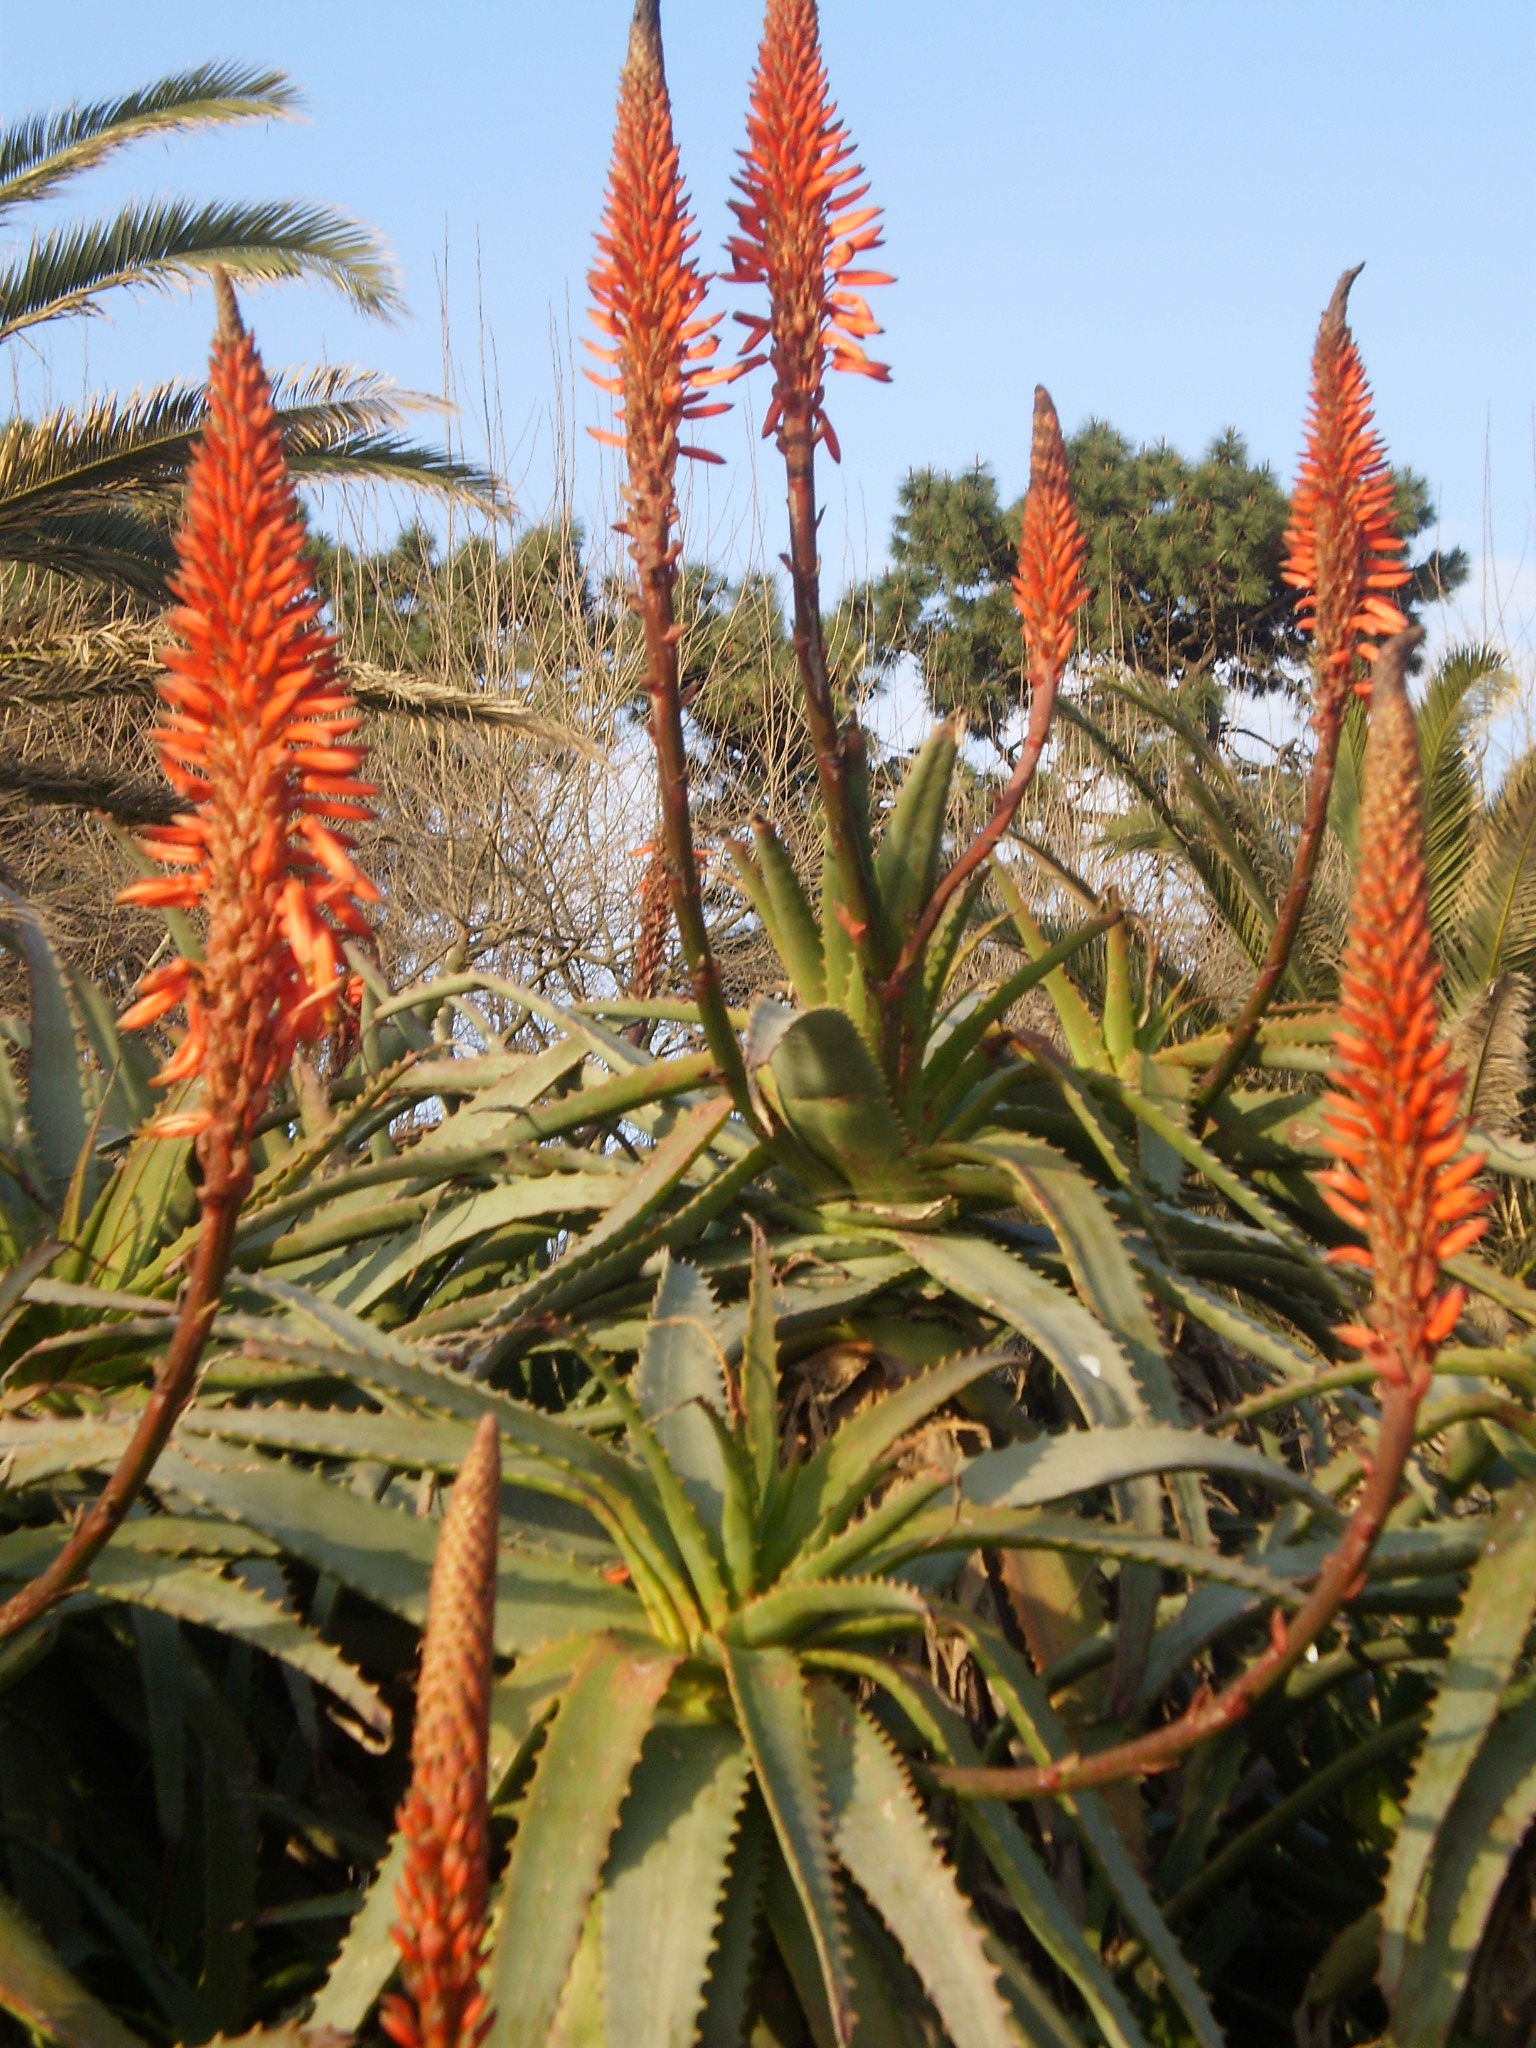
pixel 1227 824
pixel 85 492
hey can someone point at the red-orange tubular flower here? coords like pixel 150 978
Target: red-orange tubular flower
pixel 803 231
pixel 1395 1112
pixel 1049 589
pixel 256 739
pixel 1341 551
pixel 440 1903
pixel 647 298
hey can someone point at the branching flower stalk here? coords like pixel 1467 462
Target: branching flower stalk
pixel 1402 1178
pixel 1049 591
pixel 441 1900
pixel 256 740
pixel 1345 557
pixel 803 233
pixel 648 295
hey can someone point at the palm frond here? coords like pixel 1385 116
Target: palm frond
pixel 1217 858
pixel 1461 692
pixel 166 242
pixel 1496 908
pixel 67 660
pixel 113 544
pixel 126 799
pixel 1490 1041
pixel 40 152
pixel 117 466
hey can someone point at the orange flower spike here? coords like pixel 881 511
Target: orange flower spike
pixel 802 230
pixel 1395 1121
pixel 648 294
pixel 255 738
pixel 1049 588
pixel 441 1901
pixel 1342 552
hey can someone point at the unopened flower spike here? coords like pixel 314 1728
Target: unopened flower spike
pixel 441 1900
pixel 1395 1120
pixel 648 296
pixel 256 738
pixel 802 228
pixel 1342 551
pixel 1049 589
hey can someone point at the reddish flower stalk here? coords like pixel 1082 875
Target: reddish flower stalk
pixel 803 234
pixel 441 1901
pixel 1049 591
pixel 1397 1131
pixel 256 739
pixel 1343 556
pixel 648 296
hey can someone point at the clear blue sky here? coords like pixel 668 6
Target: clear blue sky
pixel 1141 203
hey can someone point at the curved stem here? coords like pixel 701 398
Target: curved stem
pixel 1212 1712
pixel 678 853
pixel 171 1391
pixel 849 840
pixel 1245 1025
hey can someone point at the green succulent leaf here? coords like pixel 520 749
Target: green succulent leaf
pixel 664 1885
pixel 1490 1633
pixel 37 1990
pixel 884 1841
pixel 566 1829
pixel 680 1375
pixel 825 1088
pixel 772 1704
pixel 1475 1843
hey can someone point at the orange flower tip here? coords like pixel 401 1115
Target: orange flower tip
pixel 179 1124
pixel 1463 1237
pixel 1445 1315
pixel 1356 1336
pixel 1349 1254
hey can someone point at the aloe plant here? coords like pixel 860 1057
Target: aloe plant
pixel 944 1464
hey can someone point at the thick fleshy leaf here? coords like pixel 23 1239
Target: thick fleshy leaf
pixel 665 1880
pixel 907 859
pixel 883 1839
pixel 386 1555
pixel 1490 1633
pixel 1475 1844
pixel 1023 1698
pixel 1017 1865
pixel 41 1994
pixel 680 1373
pixel 61 1103
pixel 565 1830
pixel 830 1095
pixel 773 1709
pixel 1092 1362
pixel 1056 1467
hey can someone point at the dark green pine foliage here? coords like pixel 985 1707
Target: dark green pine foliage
pixel 1184 562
